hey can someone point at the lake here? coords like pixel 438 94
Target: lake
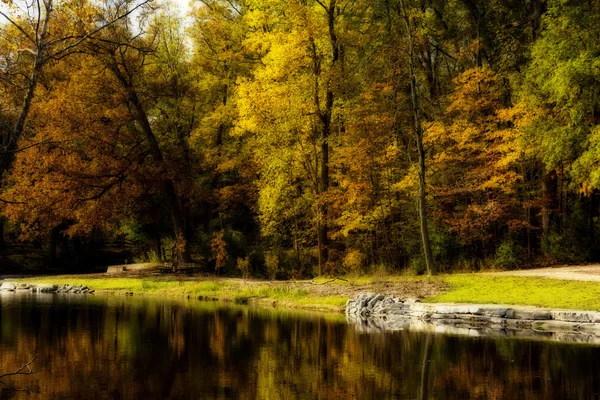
pixel 100 347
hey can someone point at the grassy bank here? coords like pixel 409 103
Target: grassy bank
pixel 326 295
pixel 534 291
pixel 265 293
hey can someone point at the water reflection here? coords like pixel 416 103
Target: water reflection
pixel 130 348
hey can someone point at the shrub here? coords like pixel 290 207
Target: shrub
pixel 379 273
pixel 418 265
pixel 566 244
pixel 509 255
pixel 243 264
pixel 219 248
pixel 148 257
pixel 272 265
pixel 354 261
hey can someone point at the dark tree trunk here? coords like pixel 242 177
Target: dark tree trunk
pixel 2 243
pixel 325 116
pixel 167 186
pixel 418 132
pixel 52 253
pixel 549 192
pixel 158 246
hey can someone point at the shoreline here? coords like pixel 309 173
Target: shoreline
pixel 371 312
pixel 331 294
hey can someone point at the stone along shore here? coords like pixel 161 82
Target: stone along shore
pixel 376 312
pixel 44 288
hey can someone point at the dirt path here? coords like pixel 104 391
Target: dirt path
pixel 574 273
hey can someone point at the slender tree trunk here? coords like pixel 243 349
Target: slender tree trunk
pixel 529 233
pixel 418 132
pixel 158 246
pixel 591 217
pixel 322 226
pixel 297 245
pixel 168 188
pixel 2 243
pixel 536 18
pixel 324 186
pixel 53 245
pixel 549 191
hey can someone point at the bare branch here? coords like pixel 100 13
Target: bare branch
pixel 24 370
pixel 19 28
pixel 99 29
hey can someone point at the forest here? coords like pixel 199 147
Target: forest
pixel 294 138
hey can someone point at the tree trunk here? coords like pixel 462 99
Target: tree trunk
pixel 297 245
pixel 2 243
pixel 322 227
pixel 549 191
pixel 158 246
pixel 168 188
pixel 536 18
pixel 418 132
pixel 52 254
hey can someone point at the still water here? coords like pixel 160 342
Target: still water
pixel 99 347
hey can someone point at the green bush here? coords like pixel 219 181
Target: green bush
pixel 418 265
pixel 271 265
pixel 509 255
pixel 566 244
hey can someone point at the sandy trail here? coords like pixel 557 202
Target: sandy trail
pixel 573 273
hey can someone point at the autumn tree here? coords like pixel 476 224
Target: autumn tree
pixel 302 67
pixel 475 165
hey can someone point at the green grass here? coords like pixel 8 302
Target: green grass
pixel 463 288
pixel 217 289
pixel 534 291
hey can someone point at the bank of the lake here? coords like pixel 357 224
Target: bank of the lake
pixel 326 294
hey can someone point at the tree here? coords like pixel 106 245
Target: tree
pixel 302 65
pixel 126 55
pixel 45 45
pixel 475 166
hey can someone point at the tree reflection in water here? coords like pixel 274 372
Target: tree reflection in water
pixel 140 348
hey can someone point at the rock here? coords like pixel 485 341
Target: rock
pixel 43 288
pixel 363 299
pixel 118 269
pixel 528 314
pixel 374 300
pixel 411 300
pixel 519 323
pixel 575 316
pixel 423 307
pixel 442 316
pixel 8 287
pixel 490 311
pixel 452 309
pixel 375 313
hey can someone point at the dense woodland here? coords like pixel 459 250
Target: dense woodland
pixel 287 138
